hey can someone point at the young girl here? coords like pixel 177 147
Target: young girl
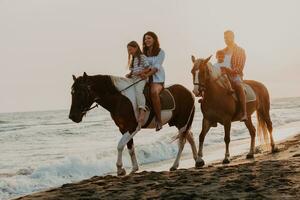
pixel 138 66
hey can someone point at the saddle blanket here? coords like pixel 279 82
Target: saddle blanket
pixel 166 98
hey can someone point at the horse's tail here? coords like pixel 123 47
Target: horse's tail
pixel 264 123
pixel 184 131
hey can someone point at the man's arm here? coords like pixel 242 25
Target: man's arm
pixel 238 60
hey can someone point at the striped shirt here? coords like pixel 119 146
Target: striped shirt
pixel 139 65
pixel 238 59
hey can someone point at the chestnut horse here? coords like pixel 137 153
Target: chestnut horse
pixel 218 106
pixel 101 89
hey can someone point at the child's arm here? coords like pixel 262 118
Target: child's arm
pixel 145 73
pixel 227 70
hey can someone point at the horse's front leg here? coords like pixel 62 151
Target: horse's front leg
pixel 181 142
pixel 227 127
pixel 123 141
pixel 205 128
pixel 135 166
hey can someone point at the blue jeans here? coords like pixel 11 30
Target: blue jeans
pixel 237 79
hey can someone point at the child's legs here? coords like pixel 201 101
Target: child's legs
pixel 227 82
pixel 140 97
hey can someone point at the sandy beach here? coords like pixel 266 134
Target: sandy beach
pixel 268 176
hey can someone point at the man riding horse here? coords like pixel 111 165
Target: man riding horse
pixel 234 63
pixel 220 106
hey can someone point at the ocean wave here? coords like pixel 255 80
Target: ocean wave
pixel 13 128
pixel 93 135
pixel 75 168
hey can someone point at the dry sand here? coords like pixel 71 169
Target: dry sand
pixel 268 176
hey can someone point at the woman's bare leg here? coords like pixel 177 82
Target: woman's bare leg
pixel 156 88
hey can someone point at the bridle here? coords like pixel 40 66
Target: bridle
pixel 89 94
pixel 95 99
pixel 202 86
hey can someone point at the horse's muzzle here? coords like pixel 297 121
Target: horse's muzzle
pixel 75 118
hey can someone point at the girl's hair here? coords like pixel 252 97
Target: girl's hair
pixel 137 55
pixel 156 47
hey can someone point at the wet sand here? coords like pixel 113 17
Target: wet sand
pixel 268 176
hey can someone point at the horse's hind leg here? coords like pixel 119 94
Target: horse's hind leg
pixel 252 132
pixel 270 130
pixel 190 139
pixel 227 127
pixel 205 128
pixel 131 151
pixel 181 142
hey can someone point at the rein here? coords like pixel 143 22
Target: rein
pixel 131 85
pixel 86 110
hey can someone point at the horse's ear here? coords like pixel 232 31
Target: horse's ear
pixel 84 76
pixel 193 58
pixel 207 59
pixel 74 77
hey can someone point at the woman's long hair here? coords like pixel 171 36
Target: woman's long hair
pixel 137 55
pixel 156 47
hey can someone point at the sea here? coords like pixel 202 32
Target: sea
pixel 45 149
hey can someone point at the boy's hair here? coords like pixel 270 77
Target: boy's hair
pixel 229 32
pixel 220 53
pixel 138 53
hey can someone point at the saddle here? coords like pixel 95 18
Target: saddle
pixel 167 101
pixel 249 92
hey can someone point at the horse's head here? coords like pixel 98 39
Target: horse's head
pixel 200 73
pixel 82 97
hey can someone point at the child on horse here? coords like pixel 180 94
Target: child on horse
pixel 220 55
pixel 138 66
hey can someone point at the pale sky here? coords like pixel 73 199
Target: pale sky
pixel 44 42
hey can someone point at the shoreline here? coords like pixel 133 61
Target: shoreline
pixel 267 176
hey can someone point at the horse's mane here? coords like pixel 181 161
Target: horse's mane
pixel 104 81
pixel 98 82
pixel 214 72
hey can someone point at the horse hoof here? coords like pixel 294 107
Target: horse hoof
pixel 226 161
pixel 275 150
pixel 249 156
pixel 133 171
pixel 199 164
pixel 121 172
pixel 173 168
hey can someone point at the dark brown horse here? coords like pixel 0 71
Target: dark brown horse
pixel 101 89
pixel 218 106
